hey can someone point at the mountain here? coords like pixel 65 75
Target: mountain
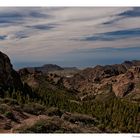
pixel 9 78
pixel 120 79
pixel 44 69
pixel 103 99
pixel 50 68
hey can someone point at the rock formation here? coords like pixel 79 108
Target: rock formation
pixel 9 78
pixel 119 78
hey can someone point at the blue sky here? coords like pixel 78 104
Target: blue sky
pixel 70 36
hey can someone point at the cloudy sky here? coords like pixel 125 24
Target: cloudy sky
pixel 70 36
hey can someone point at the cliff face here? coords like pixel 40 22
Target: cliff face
pixel 9 78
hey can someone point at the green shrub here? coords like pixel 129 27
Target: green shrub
pixel 4 108
pixel 54 111
pixel 9 115
pixel 41 126
pixel 10 101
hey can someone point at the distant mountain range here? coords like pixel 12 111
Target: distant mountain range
pixel 48 68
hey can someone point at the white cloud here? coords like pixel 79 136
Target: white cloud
pixel 70 24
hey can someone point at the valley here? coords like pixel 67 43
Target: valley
pixel 52 99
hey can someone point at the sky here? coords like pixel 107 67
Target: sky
pixel 70 36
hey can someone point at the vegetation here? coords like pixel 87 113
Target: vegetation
pixel 26 96
pixel 9 115
pixel 40 126
pixel 113 115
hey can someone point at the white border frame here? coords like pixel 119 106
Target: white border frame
pixel 70 3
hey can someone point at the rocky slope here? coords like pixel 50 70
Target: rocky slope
pixel 9 78
pixel 120 79
pixel 35 118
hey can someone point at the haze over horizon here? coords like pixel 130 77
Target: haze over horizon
pixel 69 36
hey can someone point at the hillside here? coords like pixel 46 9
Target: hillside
pixel 103 99
pixel 9 78
pixel 120 79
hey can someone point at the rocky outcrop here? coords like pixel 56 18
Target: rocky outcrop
pixel 122 89
pixel 118 78
pixel 128 82
pixel 9 78
pixel 24 72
